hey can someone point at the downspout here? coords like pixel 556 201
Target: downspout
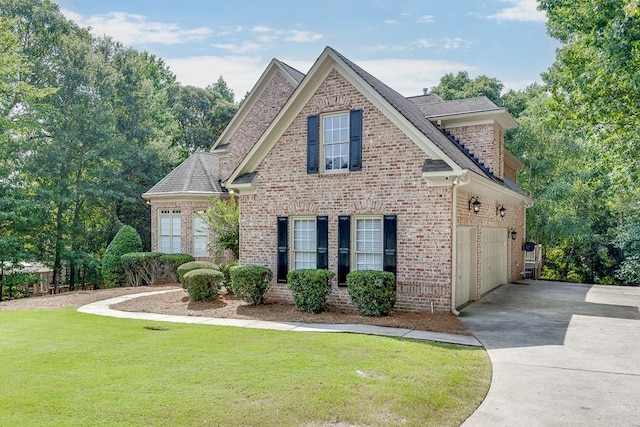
pixel 458 182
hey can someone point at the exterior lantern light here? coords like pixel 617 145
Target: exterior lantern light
pixel 474 204
pixel 513 234
pixel 501 210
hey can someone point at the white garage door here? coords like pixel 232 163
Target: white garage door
pixel 465 266
pixel 494 258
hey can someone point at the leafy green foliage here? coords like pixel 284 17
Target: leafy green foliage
pixel 203 284
pixel 140 268
pixel 225 269
pixel 127 240
pixel 15 285
pixel 193 265
pixel 372 292
pixel 310 288
pixel 250 282
pixel 169 263
pixel 462 86
pixel 223 220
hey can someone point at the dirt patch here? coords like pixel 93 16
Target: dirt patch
pixel 227 306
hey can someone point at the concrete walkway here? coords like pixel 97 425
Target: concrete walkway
pixel 102 308
pixel 562 354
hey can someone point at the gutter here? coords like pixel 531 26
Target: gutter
pixel 458 182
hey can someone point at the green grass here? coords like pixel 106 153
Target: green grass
pixel 59 367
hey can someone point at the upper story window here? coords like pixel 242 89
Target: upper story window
pixel 335 142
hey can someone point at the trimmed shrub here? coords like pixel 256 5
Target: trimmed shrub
pixel 127 240
pixel 310 288
pixel 250 282
pixel 168 266
pixel 225 268
pixel 372 292
pixel 193 265
pixel 140 268
pixel 203 284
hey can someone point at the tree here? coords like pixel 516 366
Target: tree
pixel 460 86
pixel 223 223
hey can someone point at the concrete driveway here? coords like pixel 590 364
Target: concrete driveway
pixel 562 355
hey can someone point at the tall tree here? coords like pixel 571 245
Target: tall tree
pixel 460 86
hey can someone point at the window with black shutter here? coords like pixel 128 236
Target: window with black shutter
pixel 283 249
pixel 334 139
pixel 344 245
pixel 322 240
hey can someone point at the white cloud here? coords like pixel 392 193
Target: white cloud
pixel 298 36
pixel 391 21
pixel 241 48
pixel 518 84
pixel 135 29
pixel 385 48
pixel 263 29
pixel 426 19
pixel 425 43
pixel 240 72
pixel 522 10
pixel 454 43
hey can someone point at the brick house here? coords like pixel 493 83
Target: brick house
pixel 348 174
pixel 180 196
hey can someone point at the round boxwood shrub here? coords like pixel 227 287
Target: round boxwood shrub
pixel 203 284
pixel 250 282
pixel 372 292
pixel 310 288
pixel 193 265
pixel 126 240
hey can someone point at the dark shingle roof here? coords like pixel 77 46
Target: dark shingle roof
pixel 435 166
pixel 297 75
pixel 453 107
pixel 197 174
pixel 245 178
pixel 412 113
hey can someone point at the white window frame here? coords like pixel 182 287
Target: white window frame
pixel 200 235
pixel 304 256
pixel 367 257
pixel 173 236
pixel 334 143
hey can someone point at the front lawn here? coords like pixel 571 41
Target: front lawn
pixel 60 367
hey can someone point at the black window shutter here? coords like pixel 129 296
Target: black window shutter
pixel 312 144
pixel 344 242
pixel 355 140
pixel 322 242
pixel 390 243
pixel 283 246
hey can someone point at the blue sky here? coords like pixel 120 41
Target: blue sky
pixel 408 44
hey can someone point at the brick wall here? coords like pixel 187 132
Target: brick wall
pixel 187 208
pixel 256 122
pixel 486 141
pixel 390 182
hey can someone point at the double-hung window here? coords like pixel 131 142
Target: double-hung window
pixel 304 243
pixel 170 231
pixel 335 142
pixel 200 235
pixel 368 244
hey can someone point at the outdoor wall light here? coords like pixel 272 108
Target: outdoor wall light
pixel 474 204
pixel 501 210
pixel 513 234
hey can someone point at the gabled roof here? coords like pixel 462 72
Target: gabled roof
pixel 291 74
pixel 444 155
pixel 196 175
pixel 433 107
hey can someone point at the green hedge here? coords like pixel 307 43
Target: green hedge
pixel 193 265
pixel 250 282
pixel 140 268
pixel 127 240
pixel 203 284
pixel 310 288
pixel 168 266
pixel 372 292
pixel 225 268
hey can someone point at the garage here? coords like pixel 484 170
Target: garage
pixel 465 265
pixel 493 261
